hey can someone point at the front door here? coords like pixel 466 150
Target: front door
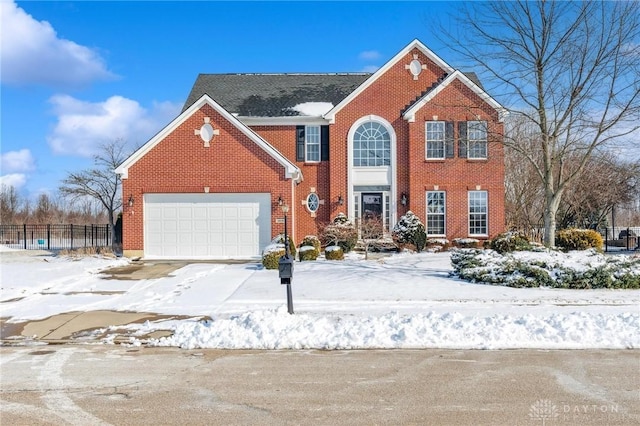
pixel 372 221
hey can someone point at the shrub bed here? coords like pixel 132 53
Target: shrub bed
pixel 575 270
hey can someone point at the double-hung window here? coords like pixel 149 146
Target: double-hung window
pixel 478 208
pixel 477 137
pixel 435 139
pixel 436 213
pixel 312 144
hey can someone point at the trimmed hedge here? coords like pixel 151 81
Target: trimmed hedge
pixel 578 239
pixel 510 241
pixel 271 256
pixel 311 240
pixel 308 253
pixel 279 239
pixel 334 253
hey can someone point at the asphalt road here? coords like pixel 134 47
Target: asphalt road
pixel 86 385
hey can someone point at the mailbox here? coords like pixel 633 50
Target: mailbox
pixel 285 268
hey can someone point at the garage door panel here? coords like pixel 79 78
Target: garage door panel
pixel 207 225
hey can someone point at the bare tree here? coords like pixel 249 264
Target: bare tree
pixel 570 69
pixel 9 204
pixel 100 182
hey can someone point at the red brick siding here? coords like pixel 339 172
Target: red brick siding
pixel 181 164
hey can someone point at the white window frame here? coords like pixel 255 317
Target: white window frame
pixel 477 140
pixel 481 215
pixel 443 214
pixel 430 141
pixel 313 207
pixel 312 138
pixel 379 146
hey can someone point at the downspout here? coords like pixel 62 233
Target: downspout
pixel 293 210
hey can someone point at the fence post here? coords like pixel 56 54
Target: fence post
pixel 606 240
pixel 24 227
pixel 628 238
pixel 48 236
pixel 71 229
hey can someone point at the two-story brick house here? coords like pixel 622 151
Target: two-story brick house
pixel 415 135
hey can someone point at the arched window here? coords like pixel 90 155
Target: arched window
pixel 371 145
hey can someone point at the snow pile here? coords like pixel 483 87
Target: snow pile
pixel 276 329
pixel 405 300
pixel 314 109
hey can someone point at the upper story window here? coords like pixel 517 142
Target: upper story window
pixel 434 131
pixel 477 138
pixel 312 143
pixel 371 145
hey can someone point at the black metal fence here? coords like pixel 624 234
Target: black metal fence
pixel 621 238
pixel 55 237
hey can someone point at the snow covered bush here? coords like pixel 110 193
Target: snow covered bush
pixel 279 239
pixel 409 233
pixel 510 241
pixel 341 232
pixel 333 253
pixel 586 269
pixel 435 245
pixel 308 253
pixel 466 243
pixel 271 255
pixel 578 239
pixel 311 240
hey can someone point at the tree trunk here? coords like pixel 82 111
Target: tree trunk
pixel 550 212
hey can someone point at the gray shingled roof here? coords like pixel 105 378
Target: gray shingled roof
pixel 272 95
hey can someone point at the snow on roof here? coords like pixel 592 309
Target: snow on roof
pixel 315 109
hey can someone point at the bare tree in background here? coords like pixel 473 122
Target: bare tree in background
pixel 100 182
pixel 569 69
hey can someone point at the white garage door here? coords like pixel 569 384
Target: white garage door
pixel 206 226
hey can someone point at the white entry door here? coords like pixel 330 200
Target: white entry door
pixel 206 226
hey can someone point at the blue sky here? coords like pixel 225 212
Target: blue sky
pixel 78 74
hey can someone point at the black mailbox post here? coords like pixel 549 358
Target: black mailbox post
pixel 285 268
pixel 285 264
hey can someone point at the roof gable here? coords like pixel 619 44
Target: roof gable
pixel 410 113
pixel 291 170
pixel 415 44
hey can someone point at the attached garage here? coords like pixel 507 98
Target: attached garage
pixel 206 226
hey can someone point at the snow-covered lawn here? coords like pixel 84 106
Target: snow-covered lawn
pixel 400 301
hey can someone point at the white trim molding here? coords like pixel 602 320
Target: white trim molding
pixel 410 114
pixel 393 183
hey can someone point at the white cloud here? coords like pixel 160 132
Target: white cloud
pixel 370 68
pixel 17 180
pixel 83 126
pixel 32 53
pixel 17 161
pixel 369 55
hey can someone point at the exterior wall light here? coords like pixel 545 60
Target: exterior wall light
pixel 404 199
pixel 131 200
pixel 340 200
